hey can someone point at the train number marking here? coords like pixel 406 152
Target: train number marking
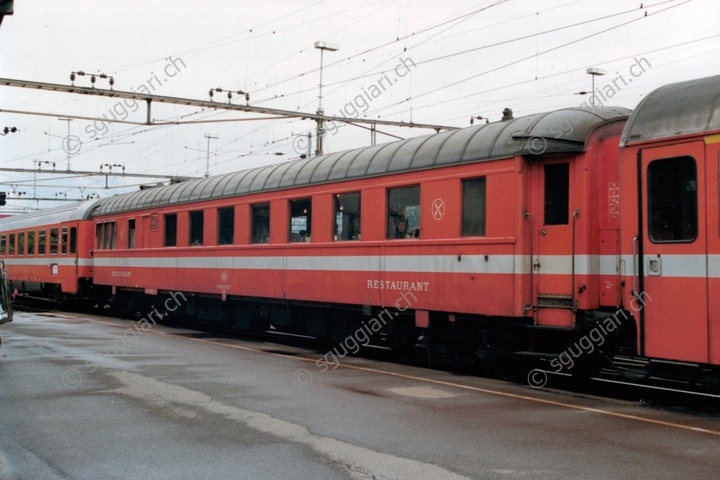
pixel 438 209
pixel 614 201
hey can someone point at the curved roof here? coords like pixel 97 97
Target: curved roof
pixel 560 131
pixel 71 211
pixel 676 109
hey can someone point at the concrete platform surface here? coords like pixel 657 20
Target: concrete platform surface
pixel 85 397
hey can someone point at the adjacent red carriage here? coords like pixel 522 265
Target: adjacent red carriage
pixel 49 251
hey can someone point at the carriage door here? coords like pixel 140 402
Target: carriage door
pixel 552 259
pixel 671 280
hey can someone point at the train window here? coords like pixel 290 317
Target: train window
pixel 403 219
pixel 196 228
pixel 131 233
pixel 31 242
pixel 557 193
pixel 473 220
pixel 3 244
pixel 41 242
pixel 672 200
pixel 73 240
pixel 170 229
pixel 347 216
pixel 99 235
pixel 226 225
pixel 108 235
pixel 64 240
pixel 11 244
pixel 21 243
pixel 53 241
pixel 260 227
pixel 300 220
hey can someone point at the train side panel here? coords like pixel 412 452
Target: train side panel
pixel 446 271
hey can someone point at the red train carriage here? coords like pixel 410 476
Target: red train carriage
pixel 503 238
pixel 670 224
pixel 49 251
pixel 456 236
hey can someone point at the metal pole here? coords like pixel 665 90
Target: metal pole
pixel 67 146
pixel 322 56
pixel 207 165
pixel 320 133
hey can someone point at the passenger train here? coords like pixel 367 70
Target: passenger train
pixel 582 227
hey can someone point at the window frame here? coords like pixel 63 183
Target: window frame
pixel 651 204
pixel 196 234
pixel 64 237
pixel 354 218
pixel 73 240
pixel 53 245
pixel 259 237
pixel 31 243
pixel 294 205
pixel 225 213
pixel 42 242
pixel 558 211
pixel 132 231
pixel 393 218
pixel 465 227
pixel 166 226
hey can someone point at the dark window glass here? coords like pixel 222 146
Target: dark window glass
pixel 473 207
pixel 73 239
pixel 557 193
pixel 64 240
pixel 99 235
pixel 11 244
pixel 53 241
pixel 21 243
pixel 403 219
pixel 347 216
pixel 131 233
pixel 41 242
pixel 31 243
pixel 226 225
pixel 196 228
pixel 108 235
pixel 260 223
pixel 170 229
pixel 3 244
pixel 672 200
pixel 300 220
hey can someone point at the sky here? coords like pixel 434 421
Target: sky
pixel 423 61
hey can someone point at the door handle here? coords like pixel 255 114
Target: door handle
pixel 654 266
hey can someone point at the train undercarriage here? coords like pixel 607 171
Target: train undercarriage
pixel 494 346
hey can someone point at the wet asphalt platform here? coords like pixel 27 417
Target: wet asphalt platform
pixel 85 397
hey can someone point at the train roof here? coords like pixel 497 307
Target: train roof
pixel 82 210
pixel 561 131
pixel 677 109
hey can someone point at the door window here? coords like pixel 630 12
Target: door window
pixel 672 200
